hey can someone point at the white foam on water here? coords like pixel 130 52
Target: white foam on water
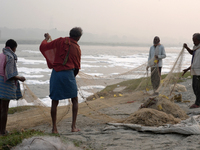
pixel 89 87
pixel 114 73
pixel 96 57
pixel 46 101
pixel 88 57
pixel 129 77
pixel 30 51
pixel 95 61
pixel 104 61
pixel 29 61
pixel 95 74
pixel 37 82
pixel 85 93
pixel 32 76
pixel 32 70
pixel 88 61
pixel 89 66
pixel 23 102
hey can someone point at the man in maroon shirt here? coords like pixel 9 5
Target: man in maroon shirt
pixel 63 57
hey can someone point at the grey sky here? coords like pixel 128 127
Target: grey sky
pixel 177 19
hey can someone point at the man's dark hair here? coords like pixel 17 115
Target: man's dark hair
pixel 75 32
pixel 197 35
pixel 11 43
pixel 156 40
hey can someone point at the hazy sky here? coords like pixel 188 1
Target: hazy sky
pixel 177 19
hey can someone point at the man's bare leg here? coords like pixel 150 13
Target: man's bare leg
pixel 74 114
pixel 54 105
pixel 4 115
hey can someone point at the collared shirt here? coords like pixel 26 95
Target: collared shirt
pixel 161 55
pixel 195 68
pixel 56 51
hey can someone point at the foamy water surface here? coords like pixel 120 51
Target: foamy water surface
pixel 96 61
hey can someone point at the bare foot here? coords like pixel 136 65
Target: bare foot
pixel 54 131
pixel 75 130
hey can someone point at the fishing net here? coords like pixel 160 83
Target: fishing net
pixel 151 117
pixel 157 105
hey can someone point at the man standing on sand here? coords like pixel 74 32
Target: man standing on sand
pixel 192 52
pixel 156 54
pixel 195 68
pixel 63 56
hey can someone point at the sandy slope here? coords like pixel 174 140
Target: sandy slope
pixel 92 125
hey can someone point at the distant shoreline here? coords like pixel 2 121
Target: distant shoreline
pixel 81 43
pixel 91 43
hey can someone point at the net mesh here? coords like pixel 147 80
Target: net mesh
pixel 136 82
pixel 151 117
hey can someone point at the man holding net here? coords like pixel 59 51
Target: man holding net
pixel 63 56
pixel 156 54
pixel 195 68
pixel 10 88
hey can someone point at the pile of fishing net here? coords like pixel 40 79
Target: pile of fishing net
pixel 157 112
pixel 151 117
pixel 160 115
pixel 171 108
pixel 170 119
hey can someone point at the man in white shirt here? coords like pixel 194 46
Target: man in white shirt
pixel 195 68
pixel 156 54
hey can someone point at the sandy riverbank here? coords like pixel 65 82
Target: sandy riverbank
pixel 93 123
